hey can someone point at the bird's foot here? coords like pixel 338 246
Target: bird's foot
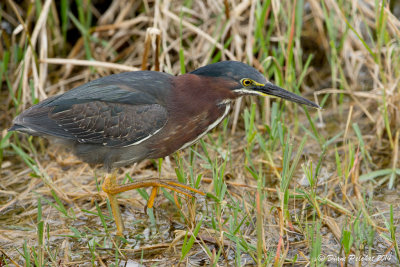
pixel 111 187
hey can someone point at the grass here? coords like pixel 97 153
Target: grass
pixel 285 184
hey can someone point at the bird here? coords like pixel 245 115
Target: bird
pixel 123 118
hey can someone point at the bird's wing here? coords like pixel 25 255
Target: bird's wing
pixel 111 124
pixel 118 110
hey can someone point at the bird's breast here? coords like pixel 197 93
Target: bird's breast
pixel 211 126
pixel 183 130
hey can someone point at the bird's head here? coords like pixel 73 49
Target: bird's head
pixel 246 80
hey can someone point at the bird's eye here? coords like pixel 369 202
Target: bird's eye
pixel 247 82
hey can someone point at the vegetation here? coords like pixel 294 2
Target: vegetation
pixel 285 184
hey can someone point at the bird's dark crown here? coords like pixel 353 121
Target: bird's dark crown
pixel 233 70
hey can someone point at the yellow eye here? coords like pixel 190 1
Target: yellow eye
pixel 247 82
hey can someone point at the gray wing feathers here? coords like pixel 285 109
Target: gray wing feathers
pixel 110 124
pixel 117 110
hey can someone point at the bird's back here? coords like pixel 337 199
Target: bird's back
pixel 103 117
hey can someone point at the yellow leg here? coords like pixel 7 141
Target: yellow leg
pixel 152 197
pixel 153 182
pixel 111 182
pixel 176 201
pixel 111 187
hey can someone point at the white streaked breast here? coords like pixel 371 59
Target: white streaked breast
pixel 210 127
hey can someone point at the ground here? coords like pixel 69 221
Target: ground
pixel 285 184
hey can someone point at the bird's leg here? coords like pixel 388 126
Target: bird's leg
pixel 110 182
pixel 155 183
pixel 152 197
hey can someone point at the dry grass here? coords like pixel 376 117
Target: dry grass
pixel 338 195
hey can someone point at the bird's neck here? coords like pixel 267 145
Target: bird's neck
pixel 203 89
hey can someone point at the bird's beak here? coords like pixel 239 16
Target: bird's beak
pixel 272 89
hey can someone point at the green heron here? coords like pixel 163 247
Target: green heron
pixel 124 118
